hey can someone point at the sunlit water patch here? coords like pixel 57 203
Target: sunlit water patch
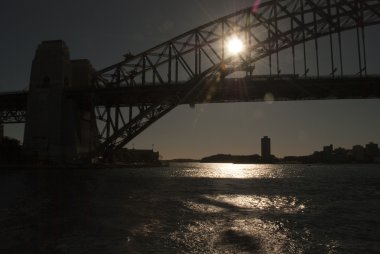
pixel 236 224
pixel 254 202
pixel 229 170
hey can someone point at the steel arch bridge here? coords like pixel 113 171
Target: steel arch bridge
pixel 196 67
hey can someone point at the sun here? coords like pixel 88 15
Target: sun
pixel 235 45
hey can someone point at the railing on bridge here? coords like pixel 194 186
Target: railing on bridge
pixel 13 107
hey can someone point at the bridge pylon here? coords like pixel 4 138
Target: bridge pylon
pixel 58 129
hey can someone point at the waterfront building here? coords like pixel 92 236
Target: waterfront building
pixel 136 156
pixel 265 148
pixel 372 150
pixel 328 149
pixel 358 153
pixel 1 132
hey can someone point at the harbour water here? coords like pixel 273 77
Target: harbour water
pixel 192 208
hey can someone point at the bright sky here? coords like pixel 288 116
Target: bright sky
pixel 102 31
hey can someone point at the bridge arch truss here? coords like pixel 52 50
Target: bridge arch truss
pixel 199 57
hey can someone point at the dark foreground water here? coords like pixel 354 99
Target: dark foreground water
pixel 192 208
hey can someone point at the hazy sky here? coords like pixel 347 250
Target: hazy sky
pixel 102 31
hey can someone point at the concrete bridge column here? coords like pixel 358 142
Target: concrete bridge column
pixel 58 130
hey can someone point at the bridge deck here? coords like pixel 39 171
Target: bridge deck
pixel 241 90
pixel 229 90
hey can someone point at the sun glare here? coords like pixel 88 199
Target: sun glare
pixel 235 45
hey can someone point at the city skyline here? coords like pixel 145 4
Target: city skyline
pixel 266 147
pixel 297 127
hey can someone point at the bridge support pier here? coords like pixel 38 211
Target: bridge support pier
pixel 58 129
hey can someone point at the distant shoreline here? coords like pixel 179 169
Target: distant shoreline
pixel 80 167
pixel 164 164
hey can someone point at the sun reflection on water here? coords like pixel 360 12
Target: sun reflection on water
pixel 234 210
pixel 229 170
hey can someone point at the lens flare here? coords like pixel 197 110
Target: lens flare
pixel 235 45
pixel 256 6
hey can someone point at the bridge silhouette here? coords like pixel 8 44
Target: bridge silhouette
pixel 293 50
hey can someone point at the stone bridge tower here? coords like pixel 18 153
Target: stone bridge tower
pixel 58 128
